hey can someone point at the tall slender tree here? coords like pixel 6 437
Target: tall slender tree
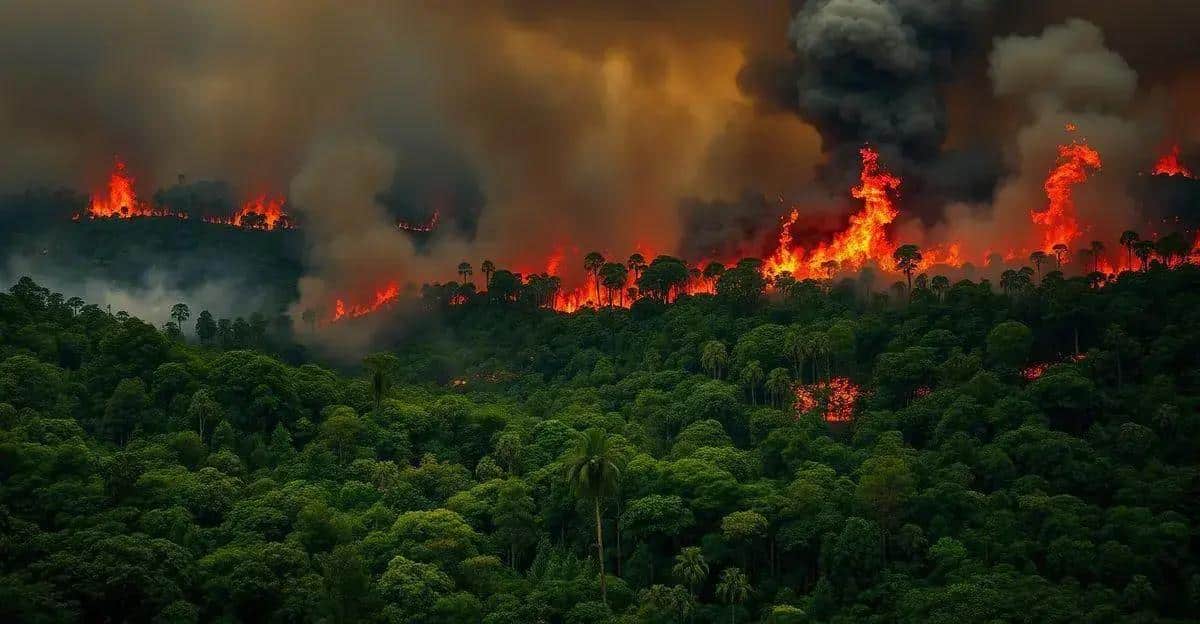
pixel 1037 258
pixel 733 589
pixel 487 268
pixel 714 358
pixel 1060 254
pixel 592 264
pixel 1128 239
pixel 594 473
pixel 691 568
pixel 908 259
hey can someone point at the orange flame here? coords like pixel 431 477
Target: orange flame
pixel 838 395
pixel 1169 165
pixel 121 200
pixel 260 213
pixel 384 297
pixel 863 241
pixel 1057 222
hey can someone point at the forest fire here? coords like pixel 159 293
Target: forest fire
pixel 384 297
pixel 425 227
pixel 1058 220
pixel 836 398
pixel 121 200
pixel 1169 165
pixel 261 213
pixel 864 240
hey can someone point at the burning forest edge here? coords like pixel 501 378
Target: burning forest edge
pixel 865 242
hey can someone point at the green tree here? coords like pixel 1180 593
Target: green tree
pixel 751 378
pixel 613 276
pixel 1009 343
pixel 779 385
pixel 691 568
pixel 380 367
pixel 487 268
pixel 206 328
pixel 714 358
pixel 340 431
pixel 180 313
pixel 592 264
pixel 515 519
pixel 347 582
pixel 733 589
pixel 126 410
pixel 744 529
pixel 593 472
pixel 908 259
pixel 636 264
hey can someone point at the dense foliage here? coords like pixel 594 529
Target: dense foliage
pixel 1028 455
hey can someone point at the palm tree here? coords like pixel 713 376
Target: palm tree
pixel 1037 258
pixel 714 358
pixel 594 473
pixel 1143 249
pixel 1006 281
pixel 819 345
pixel 940 284
pixel 752 377
pixel 487 268
pixel 592 263
pixel 908 258
pixel 379 367
pixel 636 264
pixel 713 271
pixel 797 344
pixel 1128 239
pixel 691 568
pixel 464 271
pixel 1060 254
pixel 614 275
pixel 733 588
pixel 778 384
pixel 1097 249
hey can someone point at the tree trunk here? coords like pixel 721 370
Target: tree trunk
pixel 617 527
pixel 1076 340
pixel 600 553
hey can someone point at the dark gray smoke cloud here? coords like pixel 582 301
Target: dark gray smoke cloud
pixel 545 125
pixel 872 71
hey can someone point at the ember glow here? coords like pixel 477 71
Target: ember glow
pixel 121 200
pixel 427 226
pixel 1169 165
pixel 1058 222
pixel 261 213
pixel 835 398
pixel 383 298
pixel 865 240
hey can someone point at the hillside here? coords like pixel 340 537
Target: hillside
pixel 987 471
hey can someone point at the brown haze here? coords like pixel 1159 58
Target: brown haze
pixel 586 123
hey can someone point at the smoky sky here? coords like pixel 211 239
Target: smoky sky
pixel 568 125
